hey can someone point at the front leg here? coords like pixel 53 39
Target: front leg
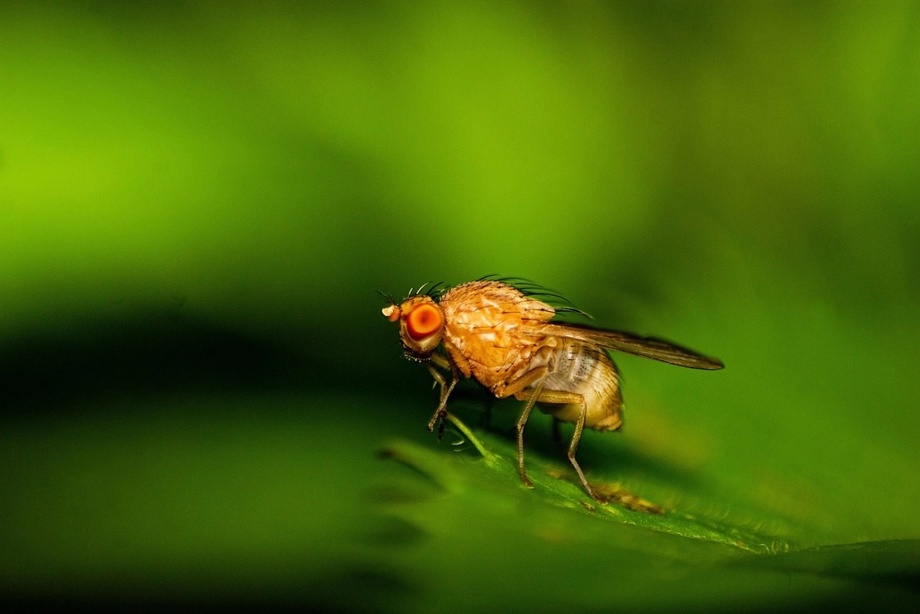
pixel 441 412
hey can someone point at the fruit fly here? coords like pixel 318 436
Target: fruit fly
pixel 503 336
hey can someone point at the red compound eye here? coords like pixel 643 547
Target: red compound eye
pixel 423 321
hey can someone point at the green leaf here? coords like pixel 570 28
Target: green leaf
pixel 495 474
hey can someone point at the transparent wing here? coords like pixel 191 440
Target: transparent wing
pixel 648 347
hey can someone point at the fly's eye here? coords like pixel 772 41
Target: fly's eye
pixel 423 321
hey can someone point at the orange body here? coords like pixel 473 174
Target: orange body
pixel 507 340
pixel 497 334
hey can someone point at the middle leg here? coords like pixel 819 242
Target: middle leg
pixel 563 397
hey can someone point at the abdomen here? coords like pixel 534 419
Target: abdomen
pixel 588 371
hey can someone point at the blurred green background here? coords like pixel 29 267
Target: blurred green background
pixel 198 202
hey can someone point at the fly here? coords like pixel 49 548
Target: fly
pixel 506 339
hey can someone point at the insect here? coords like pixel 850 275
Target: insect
pixel 500 334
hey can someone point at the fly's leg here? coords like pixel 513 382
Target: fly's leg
pixel 563 397
pixel 522 421
pixel 519 388
pixel 441 412
pixel 515 388
pixel 573 447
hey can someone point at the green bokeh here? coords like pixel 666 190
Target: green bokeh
pixel 199 200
